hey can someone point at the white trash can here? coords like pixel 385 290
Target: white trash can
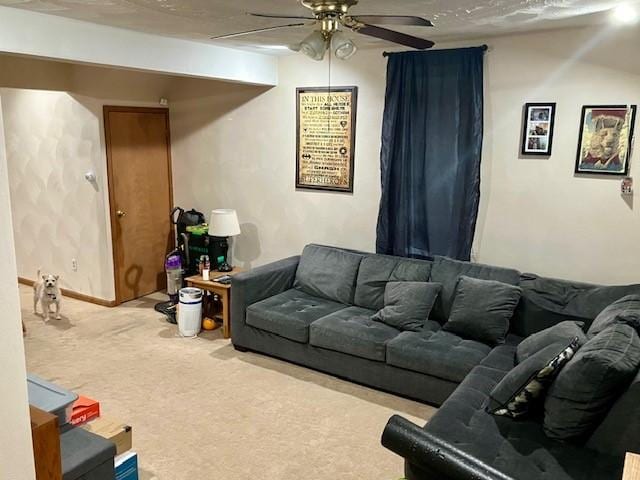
pixel 190 311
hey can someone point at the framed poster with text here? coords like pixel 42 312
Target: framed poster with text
pixel 325 131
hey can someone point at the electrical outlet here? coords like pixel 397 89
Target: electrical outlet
pixel 74 265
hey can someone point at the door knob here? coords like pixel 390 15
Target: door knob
pixel 120 213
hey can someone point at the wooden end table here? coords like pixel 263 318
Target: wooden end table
pixel 220 289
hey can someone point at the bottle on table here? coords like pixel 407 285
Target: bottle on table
pixel 206 267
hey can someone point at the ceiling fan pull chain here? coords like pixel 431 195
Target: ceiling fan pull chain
pixel 329 95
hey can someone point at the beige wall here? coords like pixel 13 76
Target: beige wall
pixel 536 215
pixel 55 134
pixel 234 146
pixel 16 454
pixel 236 149
pixel 53 138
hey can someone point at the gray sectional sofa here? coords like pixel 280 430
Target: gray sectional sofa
pixel 315 309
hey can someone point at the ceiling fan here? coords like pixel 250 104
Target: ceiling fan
pixel 331 17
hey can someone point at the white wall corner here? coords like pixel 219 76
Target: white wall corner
pixel 48 36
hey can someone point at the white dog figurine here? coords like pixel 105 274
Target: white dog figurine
pixel 47 292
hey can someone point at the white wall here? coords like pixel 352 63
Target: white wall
pixel 237 149
pixel 55 133
pixel 53 138
pixel 535 214
pixel 16 454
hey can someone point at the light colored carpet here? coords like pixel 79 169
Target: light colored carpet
pixel 202 411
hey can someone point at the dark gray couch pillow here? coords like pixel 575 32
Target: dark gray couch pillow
pixel 562 332
pixel 328 272
pixel 522 389
pixel 376 270
pixel 407 304
pixel 482 309
pixel 616 435
pixel 590 383
pixel 448 271
pixel 624 310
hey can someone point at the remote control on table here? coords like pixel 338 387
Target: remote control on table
pixel 224 279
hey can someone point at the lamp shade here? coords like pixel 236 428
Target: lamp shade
pixel 224 223
pixel 314 46
pixel 343 47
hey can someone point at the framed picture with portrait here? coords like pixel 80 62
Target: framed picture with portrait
pixel 604 145
pixel 537 128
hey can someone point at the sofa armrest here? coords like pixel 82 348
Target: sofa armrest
pixel 257 284
pixel 427 451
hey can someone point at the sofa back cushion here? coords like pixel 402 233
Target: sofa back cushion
pixel 625 310
pixel 447 271
pixel 328 272
pixel 588 386
pixel 548 301
pixel 619 432
pixel 376 270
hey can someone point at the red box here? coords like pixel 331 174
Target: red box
pixel 84 409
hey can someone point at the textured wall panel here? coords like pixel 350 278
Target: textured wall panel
pixel 52 139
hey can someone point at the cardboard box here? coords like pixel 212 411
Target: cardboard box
pixel 84 409
pixel 117 432
pixel 127 466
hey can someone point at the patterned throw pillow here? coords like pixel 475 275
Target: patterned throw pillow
pixel 524 386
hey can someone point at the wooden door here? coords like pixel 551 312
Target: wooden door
pixel 139 168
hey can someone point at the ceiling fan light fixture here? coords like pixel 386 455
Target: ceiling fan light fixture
pixel 343 47
pixel 314 46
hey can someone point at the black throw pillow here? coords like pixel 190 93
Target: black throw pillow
pixel 407 304
pixel 624 310
pixel 522 389
pixel 562 332
pixel 590 383
pixel 482 309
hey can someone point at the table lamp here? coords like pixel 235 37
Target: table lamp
pixel 223 224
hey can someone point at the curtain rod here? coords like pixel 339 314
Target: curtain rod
pixel 484 48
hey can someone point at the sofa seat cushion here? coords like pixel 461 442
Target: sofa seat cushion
pixel 519 448
pixel 290 313
pixel 352 331
pixel 438 353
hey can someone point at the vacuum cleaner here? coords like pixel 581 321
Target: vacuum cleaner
pixel 178 262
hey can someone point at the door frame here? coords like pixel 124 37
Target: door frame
pixel 106 109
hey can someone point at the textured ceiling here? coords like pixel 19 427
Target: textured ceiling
pixel 200 19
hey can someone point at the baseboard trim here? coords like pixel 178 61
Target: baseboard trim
pixel 76 295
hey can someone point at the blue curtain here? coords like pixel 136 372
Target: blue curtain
pixel 431 149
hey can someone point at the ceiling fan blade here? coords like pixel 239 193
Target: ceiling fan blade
pixel 257 30
pixel 393 36
pixel 393 20
pixel 267 15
